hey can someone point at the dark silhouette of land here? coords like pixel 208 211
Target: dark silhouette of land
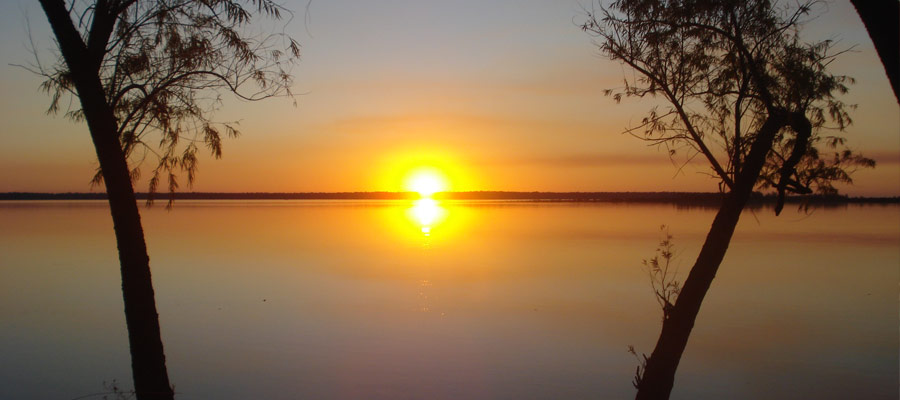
pixel 681 198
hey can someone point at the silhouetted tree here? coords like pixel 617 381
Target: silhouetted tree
pixel 733 83
pixel 145 69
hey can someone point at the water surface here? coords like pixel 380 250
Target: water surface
pixel 452 300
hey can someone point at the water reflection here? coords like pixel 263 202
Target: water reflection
pixel 345 312
pixel 428 214
pixel 424 302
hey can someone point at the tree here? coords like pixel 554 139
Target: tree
pixel 734 84
pixel 145 69
pixel 882 21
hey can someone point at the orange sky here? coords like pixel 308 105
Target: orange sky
pixel 502 95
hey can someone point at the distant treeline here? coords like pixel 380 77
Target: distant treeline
pixel 686 198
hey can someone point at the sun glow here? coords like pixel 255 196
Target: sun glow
pixel 426 181
pixel 427 213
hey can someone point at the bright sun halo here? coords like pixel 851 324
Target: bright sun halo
pixel 426 182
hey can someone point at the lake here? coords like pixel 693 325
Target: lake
pixel 450 300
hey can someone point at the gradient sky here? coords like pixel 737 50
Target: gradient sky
pixel 501 94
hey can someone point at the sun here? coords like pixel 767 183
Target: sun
pixel 426 181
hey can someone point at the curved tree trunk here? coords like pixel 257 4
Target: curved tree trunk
pixel 881 20
pixel 659 373
pixel 148 360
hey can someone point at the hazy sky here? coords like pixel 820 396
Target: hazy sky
pixel 502 94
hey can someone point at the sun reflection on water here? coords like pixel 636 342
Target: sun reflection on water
pixel 428 214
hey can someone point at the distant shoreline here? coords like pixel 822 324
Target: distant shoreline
pixel 697 198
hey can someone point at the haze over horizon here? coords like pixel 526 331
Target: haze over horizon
pixel 500 96
pixel 449 199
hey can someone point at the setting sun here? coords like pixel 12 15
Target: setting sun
pixel 426 181
pixel 450 199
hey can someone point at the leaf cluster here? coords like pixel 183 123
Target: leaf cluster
pixel 721 68
pixel 666 288
pixel 662 273
pixel 165 67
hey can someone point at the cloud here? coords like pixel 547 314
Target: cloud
pixel 590 160
pixel 883 157
pixel 585 160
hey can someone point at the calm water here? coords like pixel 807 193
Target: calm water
pixel 390 300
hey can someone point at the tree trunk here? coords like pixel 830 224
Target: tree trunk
pixel 148 362
pixel 659 373
pixel 881 20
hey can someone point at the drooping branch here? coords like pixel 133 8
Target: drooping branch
pixel 736 70
pixel 801 125
pixel 163 65
pixel 678 105
pixel 722 74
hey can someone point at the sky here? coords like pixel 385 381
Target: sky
pixel 499 95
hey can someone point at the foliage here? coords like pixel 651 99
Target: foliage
pixel 722 68
pixel 732 82
pixel 662 273
pixel 163 71
pixel 665 287
pixel 639 370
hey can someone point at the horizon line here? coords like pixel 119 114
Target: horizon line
pixel 574 196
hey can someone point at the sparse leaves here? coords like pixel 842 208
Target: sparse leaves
pixel 639 370
pixel 163 69
pixel 662 273
pixel 723 68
